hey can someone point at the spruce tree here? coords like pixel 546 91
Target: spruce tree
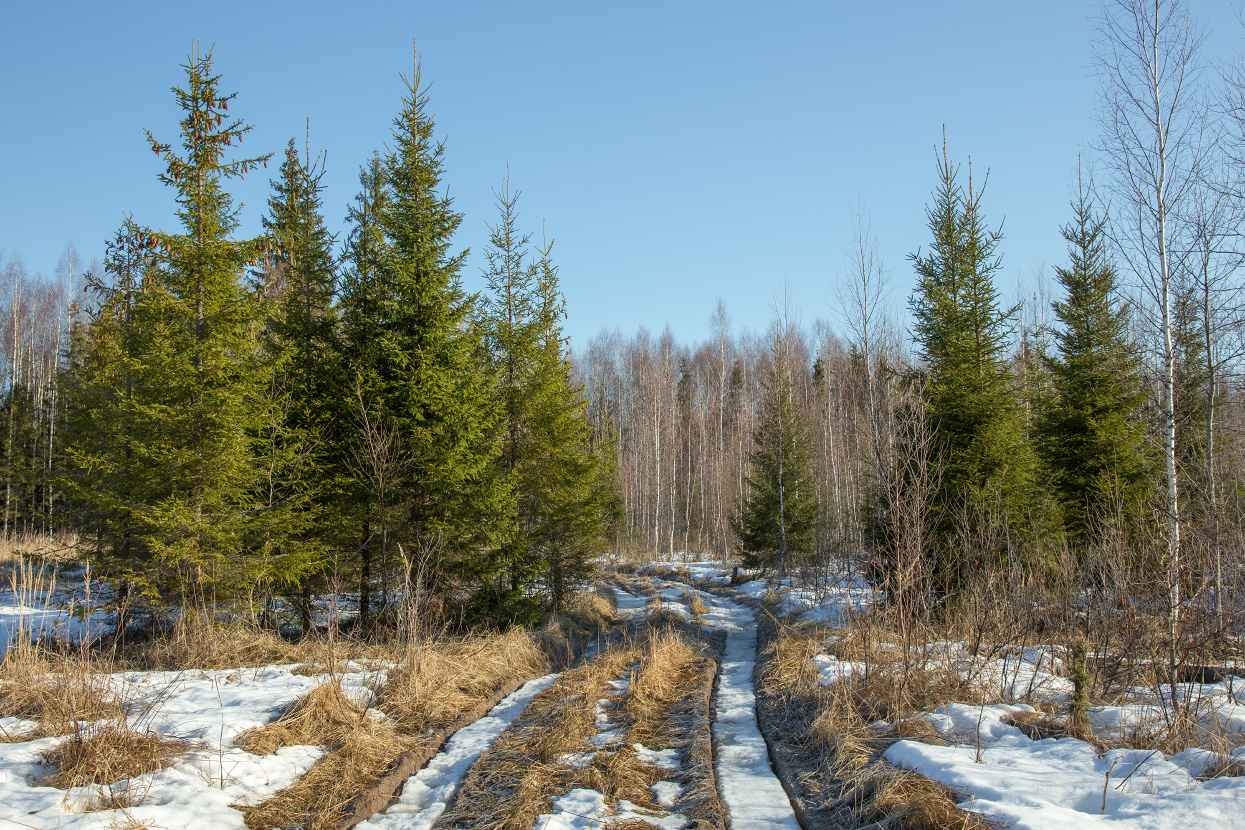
pixel 1092 435
pixel 562 487
pixel 365 424
pixel 181 357
pixel 576 484
pixel 429 365
pixel 301 281
pixel 512 330
pixel 301 433
pixel 778 523
pixel 962 336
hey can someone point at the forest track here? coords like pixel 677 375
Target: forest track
pixel 659 729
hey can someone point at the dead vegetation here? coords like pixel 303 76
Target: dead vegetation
pixel 432 684
pixel 656 687
pixel 109 752
pixel 53 691
pixel 831 734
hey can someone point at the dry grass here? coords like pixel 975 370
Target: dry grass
pixel 53 549
pixel 440 679
pixel 199 642
pixel 325 716
pixel 695 603
pixel 108 752
pixel 517 780
pixel 360 749
pixel 519 776
pixel 842 737
pixel 436 682
pixel 54 690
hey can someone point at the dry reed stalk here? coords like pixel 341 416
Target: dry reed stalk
pixel 54 690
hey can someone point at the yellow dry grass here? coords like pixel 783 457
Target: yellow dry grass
pixel 108 752
pixel 45 548
pixel 529 766
pixel 440 679
pixel 361 748
pixel 850 747
pixel 435 682
pixel 54 690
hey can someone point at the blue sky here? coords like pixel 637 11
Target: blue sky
pixel 677 152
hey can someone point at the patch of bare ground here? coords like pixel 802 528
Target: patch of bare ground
pixel 556 745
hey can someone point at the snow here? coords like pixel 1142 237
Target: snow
pixel 630 605
pixel 1036 785
pixel 426 793
pixel 199 790
pixel 582 808
pixel 753 795
pixel 832 601
pixel 39 614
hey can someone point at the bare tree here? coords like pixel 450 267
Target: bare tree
pixel 1153 119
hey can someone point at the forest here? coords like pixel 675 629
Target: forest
pixel 451 569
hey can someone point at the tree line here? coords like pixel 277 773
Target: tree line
pixel 1086 439
pixel 263 421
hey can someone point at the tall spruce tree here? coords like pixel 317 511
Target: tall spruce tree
pixel 561 486
pixel 365 456
pixel 1092 436
pixel 572 481
pixel 429 365
pixel 778 523
pixel 512 331
pixel 189 368
pixel 301 280
pixel 962 335
pixel 301 433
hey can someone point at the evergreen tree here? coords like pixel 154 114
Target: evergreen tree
pixel 301 280
pixel 962 336
pixel 180 356
pixel 778 524
pixel 512 330
pixel 569 486
pixel 364 308
pixel 428 368
pixel 1093 438
pixel 561 487
pixel 301 432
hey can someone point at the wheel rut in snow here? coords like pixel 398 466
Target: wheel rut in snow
pixel 625 738
pixel 755 797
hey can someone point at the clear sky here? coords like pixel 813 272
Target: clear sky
pixel 678 152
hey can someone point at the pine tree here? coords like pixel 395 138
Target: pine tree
pixel 1092 436
pixel 429 376
pixel 962 336
pixel 778 523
